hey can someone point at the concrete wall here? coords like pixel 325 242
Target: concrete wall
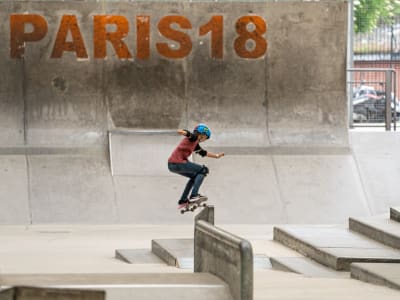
pixel 280 118
pixel 292 95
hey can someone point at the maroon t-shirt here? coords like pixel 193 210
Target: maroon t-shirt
pixel 183 151
pixel 185 148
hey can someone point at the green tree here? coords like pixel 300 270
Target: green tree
pixel 367 13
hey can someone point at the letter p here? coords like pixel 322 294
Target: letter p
pixel 18 36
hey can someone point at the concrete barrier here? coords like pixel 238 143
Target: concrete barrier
pixel 206 214
pixel 34 293
pixel 225 255
pixel 395 214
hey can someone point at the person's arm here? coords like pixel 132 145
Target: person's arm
pixel 191 136
pixel 203 153
pixel 184 132
pixel 215 155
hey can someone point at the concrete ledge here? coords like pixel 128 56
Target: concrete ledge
pixel 334 247
pixel 175 252
pixel 305 266
pixel 225 255
pixel 34 293
pixel 206 214
pixel 395 214
pixel 381 274
pixel 137 256
pixel 382 230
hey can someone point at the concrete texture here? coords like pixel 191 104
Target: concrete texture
pixel 35 293
pixel 75 185
pixel 395 214
pixel 225 255
pixel 305 266
pixel 382 274
pixel 381 229
pixel 280 118
pixel 259 101
pixel 140 256
pixel 173 251
pixel 334 247
pixel 377 158
pixel 83 257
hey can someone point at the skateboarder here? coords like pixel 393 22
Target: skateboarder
pixel 179 162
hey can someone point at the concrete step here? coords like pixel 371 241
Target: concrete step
pixel 383 274
pixel 335 247
pixel 174 252
pixel 395 214
pixel 137 256
pixel 197 286
pixel 306 267
pixel 180 253
pixel 379 228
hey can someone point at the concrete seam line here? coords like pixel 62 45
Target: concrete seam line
pixel 363 186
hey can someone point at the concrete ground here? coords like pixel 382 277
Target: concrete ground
pixel 59 253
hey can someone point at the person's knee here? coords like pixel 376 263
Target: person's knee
pixel 205 171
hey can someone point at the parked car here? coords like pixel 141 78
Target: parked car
pixel 369 105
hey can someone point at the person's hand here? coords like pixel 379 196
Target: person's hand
pixel 181 131
pixel 219 155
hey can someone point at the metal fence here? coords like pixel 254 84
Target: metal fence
pixel 372 68
pixel 373 102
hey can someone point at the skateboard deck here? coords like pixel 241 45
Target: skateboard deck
pixel 194 205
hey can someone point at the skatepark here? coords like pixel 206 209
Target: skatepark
pixel 91 96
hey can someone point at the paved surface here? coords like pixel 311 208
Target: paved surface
pixel 85 254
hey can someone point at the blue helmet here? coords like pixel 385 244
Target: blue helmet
pixel 203 129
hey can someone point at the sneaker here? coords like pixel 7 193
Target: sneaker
pixel 182 204
pixel 197 198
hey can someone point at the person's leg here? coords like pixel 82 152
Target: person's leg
pixel 189 170
pixel 198 180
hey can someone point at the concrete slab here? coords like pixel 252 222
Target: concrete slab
pixel 141 152
pixel 15 207
pixel 325 181
pixel 376 156
pixel 336 248
pixel 380 228
pixel 150 200
pixel 305 266
pixel 383 274
pixel 180 253
pixel 137 256
pixel 395 214
pixel 45 293
pixel 87 250
pixel 71 189
pixel 175 252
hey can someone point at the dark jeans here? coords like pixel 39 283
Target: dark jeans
pixel 195 172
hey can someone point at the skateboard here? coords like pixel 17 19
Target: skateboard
pixel 194 205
